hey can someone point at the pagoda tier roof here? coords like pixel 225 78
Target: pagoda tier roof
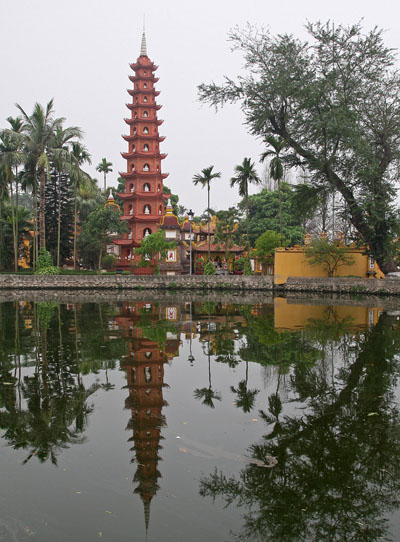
pixel 140 218
pixel 150 77
pixel 215 247
pixel 146 121
pixel 143 136
pixel 140 195
pixel 135 91
pixel 145 174
pixel 148 105
pixel 126 243
pixel 144 62
pixel 125 195
pixel 144 154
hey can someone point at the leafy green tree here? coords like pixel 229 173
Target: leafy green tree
pixel 264 215
pixel 245 174
pixel 227 229
pixel 153 245
pixel 96 233
pixel 266 245
pixel 329 255
pixel 204 178
pixel 334 101
pixel 104 167
pixel 275 167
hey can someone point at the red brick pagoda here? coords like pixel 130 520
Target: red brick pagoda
pixel 143 196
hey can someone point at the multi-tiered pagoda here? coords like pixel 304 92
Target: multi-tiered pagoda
pixel 143 196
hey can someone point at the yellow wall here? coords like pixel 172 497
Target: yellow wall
pixel 292 262
pixel 288 316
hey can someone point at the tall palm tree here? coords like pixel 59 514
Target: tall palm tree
pixel 104 167
pixel 245 174
pixel 16 125
pixel 79 155
pixel 38 132
pixel 204 178
pixel 61 161
pixel 275 167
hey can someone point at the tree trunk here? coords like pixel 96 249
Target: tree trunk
pixel 75 220
pixel 105 182
pixel 42 232
pixel 208 214
pixel 101 252
pixel 13 228
pixel 16 212
pixel 280 207
pixel 247 217
pixel 59 221
pixel 35 221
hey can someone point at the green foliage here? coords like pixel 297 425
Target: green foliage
pixel 109 261
pixel 334 103
pixel 209 269
pixel 227 232
pixel 329 255
pixel 247 270
pixel 264 215
pixel 45 265
pixel 152 245
pixel 266 245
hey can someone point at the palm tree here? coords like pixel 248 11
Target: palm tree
pixel 204 178
pixel 245 174
pixel 105 167
pixel 275 167
pixel 38 133
pixel 79 155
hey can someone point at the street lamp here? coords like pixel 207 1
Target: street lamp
pixel 190 216
pixel 191 356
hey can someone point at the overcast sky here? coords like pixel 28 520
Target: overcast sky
pixel 78 52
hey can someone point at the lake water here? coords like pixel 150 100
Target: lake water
pixel 201 421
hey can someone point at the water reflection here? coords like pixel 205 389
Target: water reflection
pixel 331 419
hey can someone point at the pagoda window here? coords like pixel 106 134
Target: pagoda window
pixel 145 130
pixel 130 210
pixel 133 148
pixel 157 168
pixel 146 147
pixel 160 210
pixel 146 187
pixel 146 232
pixel 145 114
pixel 147 210
pixel 135 116
pixel 147 374
pixel 130 235
pixel 144 72
pixel 131 188
pixel 133 373
pixel 159 188
pixel 145 99
pixel 146 167
pixel 148 355
pixel 133 167
pixel 136 100
pixel 144 85
pixel 134 131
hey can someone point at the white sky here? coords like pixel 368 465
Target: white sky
pixel 78 52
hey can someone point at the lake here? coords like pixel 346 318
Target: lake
pixel 203 419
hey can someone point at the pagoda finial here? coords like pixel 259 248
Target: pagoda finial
pixel 143 47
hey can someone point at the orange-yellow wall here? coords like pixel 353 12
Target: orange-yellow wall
pixel 292 262
pixel 289 316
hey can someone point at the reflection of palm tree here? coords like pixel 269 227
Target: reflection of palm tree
pixel 208 395
pixel 245 397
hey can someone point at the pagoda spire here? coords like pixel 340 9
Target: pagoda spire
pixel 143 47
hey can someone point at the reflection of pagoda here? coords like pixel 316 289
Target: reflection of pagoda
pixel 144 367
pixel 143 195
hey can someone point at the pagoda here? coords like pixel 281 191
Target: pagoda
pixel 143 198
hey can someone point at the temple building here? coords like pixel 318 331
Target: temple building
pixel 143 198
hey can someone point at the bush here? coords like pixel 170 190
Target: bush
pixel 209 269
pixel 109 262
pixel 45 265
pixel 247 270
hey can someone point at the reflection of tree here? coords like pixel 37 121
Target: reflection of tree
pixel 207 395
pixel 337 475
pixel 46 410
pixel 245 397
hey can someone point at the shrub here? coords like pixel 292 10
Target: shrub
pixel 209 269
pixel 247 270
pixel 109 262
pixel 45 265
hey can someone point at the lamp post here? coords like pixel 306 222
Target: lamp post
pixel 190 216
pixel 191 356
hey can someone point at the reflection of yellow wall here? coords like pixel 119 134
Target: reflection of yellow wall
pixel 292 262
pixel 291 317
pixel 24 254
